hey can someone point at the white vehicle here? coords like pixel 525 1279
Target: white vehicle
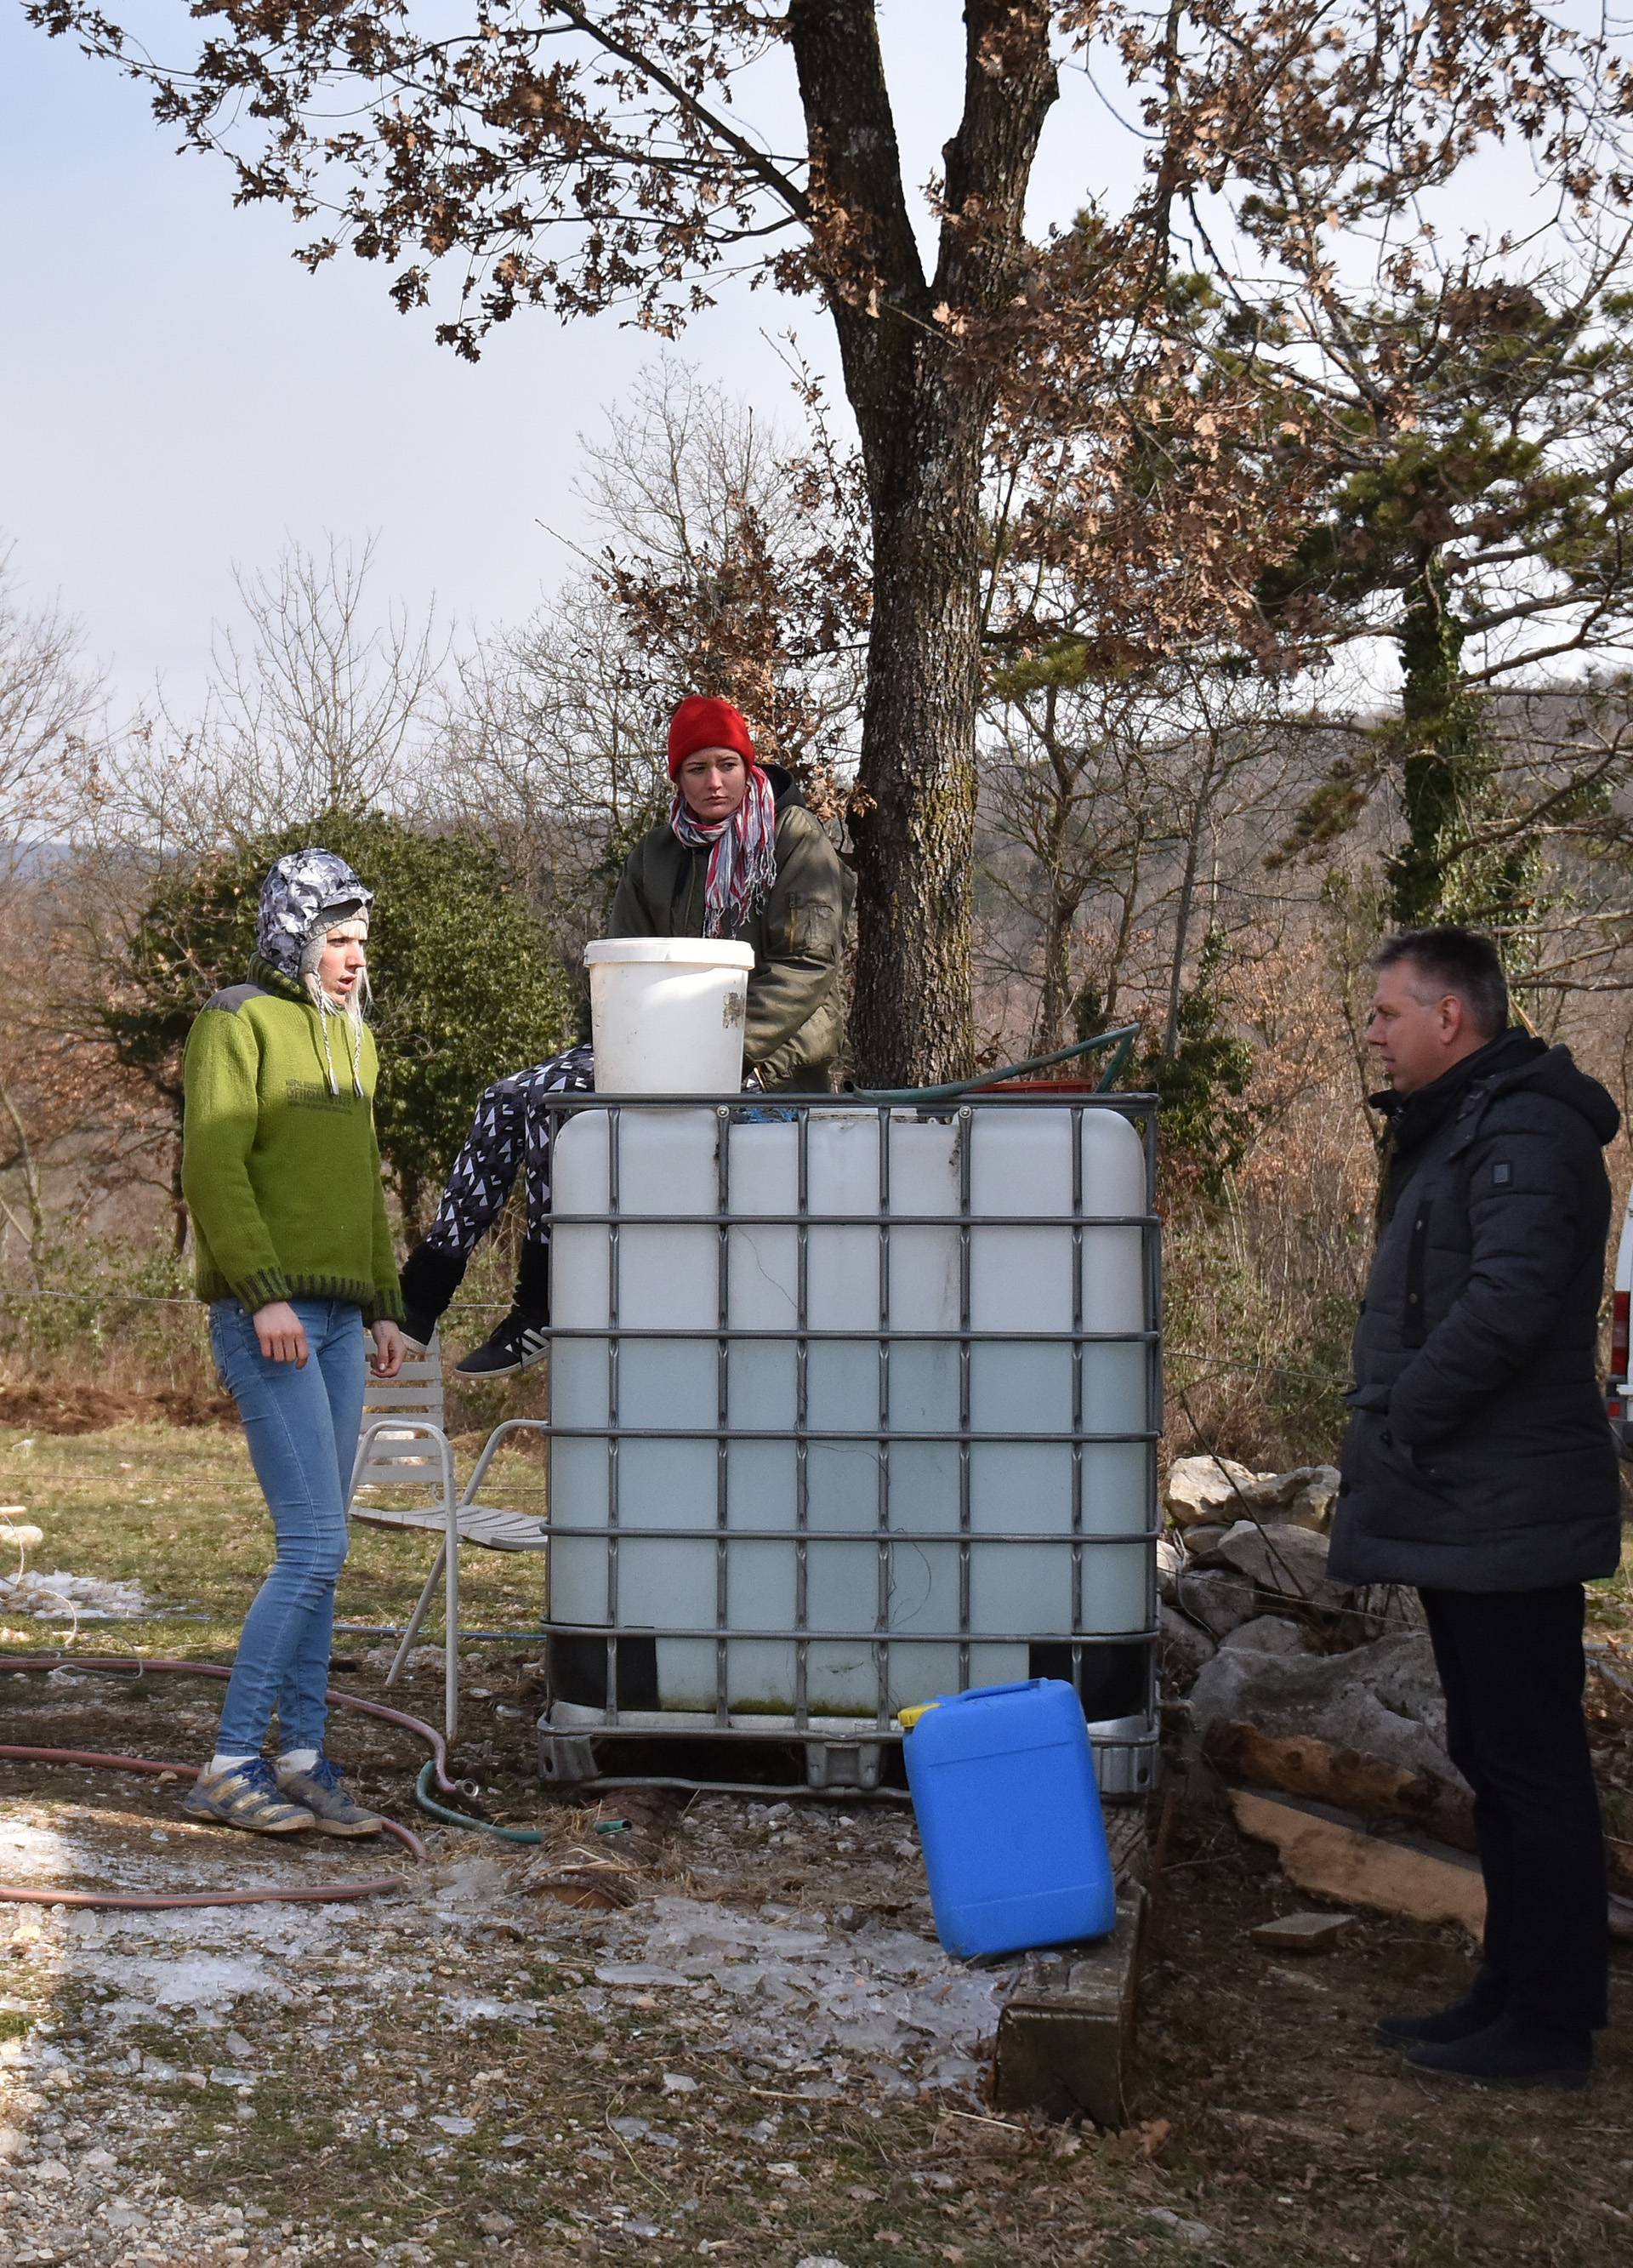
pixel 1619 1387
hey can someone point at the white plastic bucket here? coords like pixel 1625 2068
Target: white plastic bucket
pixel 666 1013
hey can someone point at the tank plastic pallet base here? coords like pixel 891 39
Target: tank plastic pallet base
pixel 576 1750
pixel 779 1765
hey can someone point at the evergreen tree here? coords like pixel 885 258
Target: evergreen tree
pixel 1477 515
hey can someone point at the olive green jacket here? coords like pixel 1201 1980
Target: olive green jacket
pixel 796 1007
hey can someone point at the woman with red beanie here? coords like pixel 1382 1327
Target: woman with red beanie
pixel 738 856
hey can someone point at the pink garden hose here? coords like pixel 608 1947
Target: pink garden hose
pixel 132 1901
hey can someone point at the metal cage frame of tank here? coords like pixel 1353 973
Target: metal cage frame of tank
pixel 844 1753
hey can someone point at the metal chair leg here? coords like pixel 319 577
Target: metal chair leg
pixel 451 1641
pixel 417 1616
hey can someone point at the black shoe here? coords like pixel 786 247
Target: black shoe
pixel 518 1343
pixel 430 1278
pixel 1475 2012
pixel 1509 2053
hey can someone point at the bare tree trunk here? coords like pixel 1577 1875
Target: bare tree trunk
pixel 35 1237
pixel 1181 938
pixel 923 401
pixel 1048 1030
pixel 1063 897
pixel 1201 811
pixel 1128 903
pixel 915 828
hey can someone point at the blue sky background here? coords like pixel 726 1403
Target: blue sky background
pixel 177 394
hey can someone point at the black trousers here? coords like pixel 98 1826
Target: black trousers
pixel 1512 1666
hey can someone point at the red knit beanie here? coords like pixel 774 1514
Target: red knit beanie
pixel 701 723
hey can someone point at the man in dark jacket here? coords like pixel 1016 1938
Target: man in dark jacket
pixel 1479 1466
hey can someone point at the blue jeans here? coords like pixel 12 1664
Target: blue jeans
pixel 302 1428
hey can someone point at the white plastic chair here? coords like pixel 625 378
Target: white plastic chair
pixel 404 1444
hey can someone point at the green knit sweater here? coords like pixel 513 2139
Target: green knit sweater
pixel 279 1163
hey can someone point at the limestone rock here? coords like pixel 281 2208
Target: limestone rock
pixel 1171 1557
pixel 1204 1534
pixel 1268 1634
pixel 1281 1560
pixel 1310 1503
pixel 1184 1651
pixel 1209 1489
pixel 1201 1488
pixel 1383 1699
pixel 1216 1599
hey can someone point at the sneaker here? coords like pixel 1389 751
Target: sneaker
pixel 1473 2013
pixel 247 1796
pixel 1509 2053
pixel 331 1810
pixel 519 1342
pixel 419 1330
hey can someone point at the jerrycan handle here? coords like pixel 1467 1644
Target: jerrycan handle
pixel 908 1717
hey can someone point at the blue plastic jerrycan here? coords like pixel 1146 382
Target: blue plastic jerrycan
pixel 1009 1813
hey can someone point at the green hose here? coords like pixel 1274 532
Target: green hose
pixel 1121 1041
pixel 428 1802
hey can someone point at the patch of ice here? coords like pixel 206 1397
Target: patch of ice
pixel 202 1981
pixel 474 1882
pixel 639 1972
pixel 290 1932
pixel 471 2007
pixel 795 1994
pixel 60 1597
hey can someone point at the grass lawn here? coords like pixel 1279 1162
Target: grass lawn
pixel 176 1509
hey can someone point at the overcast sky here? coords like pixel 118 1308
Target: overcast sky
pixel 177 394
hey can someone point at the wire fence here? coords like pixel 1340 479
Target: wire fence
pixel 1233 1365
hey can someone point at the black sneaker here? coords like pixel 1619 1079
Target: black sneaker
pixel 1473 2013
pixel 1509 2053
pixel 518 1343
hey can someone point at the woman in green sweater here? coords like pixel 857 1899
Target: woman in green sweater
pixel 282 1175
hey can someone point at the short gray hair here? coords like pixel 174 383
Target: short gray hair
pixel 1459 960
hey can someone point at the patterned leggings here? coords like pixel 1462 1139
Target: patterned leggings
pixel 508 1136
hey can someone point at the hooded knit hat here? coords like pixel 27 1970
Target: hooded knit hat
pixel 306 891
pixel 702 723
pixel 307 894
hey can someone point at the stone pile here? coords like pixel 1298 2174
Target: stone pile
pixel 1243 1562
pixel 1255 1631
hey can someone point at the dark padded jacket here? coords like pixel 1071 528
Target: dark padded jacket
pixel 795 1021
pixel 1479 1457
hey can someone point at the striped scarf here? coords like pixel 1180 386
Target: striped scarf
pixel 742 866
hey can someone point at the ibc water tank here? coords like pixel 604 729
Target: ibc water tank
pixel 863 1411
